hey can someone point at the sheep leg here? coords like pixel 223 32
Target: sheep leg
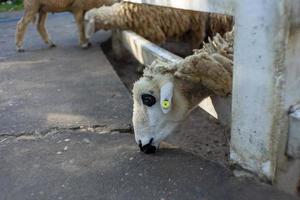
pixel 42 29
pixel 84 43
pixel 21 29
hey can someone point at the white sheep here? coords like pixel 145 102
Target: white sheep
pixel 166 93
pixel 42 7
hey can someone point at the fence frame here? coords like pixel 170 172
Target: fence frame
pixel 266 79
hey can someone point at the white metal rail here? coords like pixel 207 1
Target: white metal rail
pixel 145 51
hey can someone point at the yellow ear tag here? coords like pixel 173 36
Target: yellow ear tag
pixel 166 104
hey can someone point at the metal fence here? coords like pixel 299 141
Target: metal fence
pixel 266 81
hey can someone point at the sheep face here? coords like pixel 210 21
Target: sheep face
pixel 159 107
pixel 97 19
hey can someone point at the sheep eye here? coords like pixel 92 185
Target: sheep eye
pixel 148 100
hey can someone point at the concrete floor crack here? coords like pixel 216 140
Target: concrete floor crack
pixel 97 129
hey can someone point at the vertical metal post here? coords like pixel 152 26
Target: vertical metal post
pixel 259 118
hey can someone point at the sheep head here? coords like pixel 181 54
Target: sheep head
pixel 100 18
pixel 166 93
pixel 159 107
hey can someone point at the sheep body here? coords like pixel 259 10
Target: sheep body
pixel 207 72
pixel 42 7
pixel 157 23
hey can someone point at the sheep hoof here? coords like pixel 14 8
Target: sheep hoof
pixel 52 45
pixel 20 50
pixel 86 45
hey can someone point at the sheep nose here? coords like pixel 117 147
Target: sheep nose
pixel 148 148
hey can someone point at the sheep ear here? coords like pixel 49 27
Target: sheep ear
pixel 166 94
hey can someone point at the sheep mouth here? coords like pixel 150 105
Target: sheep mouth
pixel 148 148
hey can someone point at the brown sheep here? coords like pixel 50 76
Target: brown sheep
pixel 157 23
pixel 42 7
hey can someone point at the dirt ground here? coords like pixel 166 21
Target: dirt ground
pixel 203 135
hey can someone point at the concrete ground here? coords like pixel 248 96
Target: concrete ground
pixel 65 131
pixel 60 87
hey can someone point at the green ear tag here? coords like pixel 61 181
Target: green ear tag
pixel 166 104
